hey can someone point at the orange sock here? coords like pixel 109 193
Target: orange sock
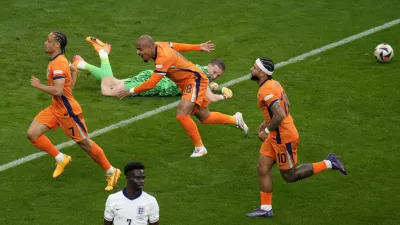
pixel 97 154
pixel 319 167
pixel 45 144
pixel 266 198
pixel 219 118
pixel 191 129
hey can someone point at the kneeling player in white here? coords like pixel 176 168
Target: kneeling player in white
pixel 132 206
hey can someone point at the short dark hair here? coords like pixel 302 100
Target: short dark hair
pixel 61 38
pixel 219 63
pixel 133 166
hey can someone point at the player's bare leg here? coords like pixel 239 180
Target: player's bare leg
pixel 307 170
pixel 207 117
pixel 264 167
pixel 97 154
pixel 183 112
pixel 36 135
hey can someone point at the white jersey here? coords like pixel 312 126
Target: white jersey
pixel 122 210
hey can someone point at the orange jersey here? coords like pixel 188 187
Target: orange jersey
pixel 271 92
pixel 66 104
pixel 169 62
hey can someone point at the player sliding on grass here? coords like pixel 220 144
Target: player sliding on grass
pixel 191 81
pixel 110 85
pixel 64 112
pixel 280 138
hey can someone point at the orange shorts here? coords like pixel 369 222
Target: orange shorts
pixel 195 91
pixel 73 126
pixel 284 154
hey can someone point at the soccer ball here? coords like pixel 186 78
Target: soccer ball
pixel 383 53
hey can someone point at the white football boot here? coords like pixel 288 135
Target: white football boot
pixel 240 123
pixel 198 152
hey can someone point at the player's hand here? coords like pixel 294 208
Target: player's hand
pixel 35 82
pixel 123 93
pixel 213 86
pixel 262 127
pixel 207 47
pixel 262 136
pixel 226 92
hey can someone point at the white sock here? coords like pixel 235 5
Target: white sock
pixel 110 171
pixel 103 54
pixel 81 65
pixel 266 207
pixel 59 157
pixel 328 164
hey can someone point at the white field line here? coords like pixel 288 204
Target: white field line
pixel 229 83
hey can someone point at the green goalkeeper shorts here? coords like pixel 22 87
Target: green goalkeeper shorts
pixel 165 87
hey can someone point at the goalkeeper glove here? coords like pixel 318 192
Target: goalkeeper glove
pixel 226 92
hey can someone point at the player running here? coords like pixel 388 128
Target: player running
pixel 64 112
pixel 191 81
pixel 280 138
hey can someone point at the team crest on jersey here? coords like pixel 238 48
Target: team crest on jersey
pixel 140 213
pixel 159 66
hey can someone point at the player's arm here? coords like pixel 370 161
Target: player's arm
pixel 145 86
pixel 56 90
pixel 108 213
pixel 277 116
pixel 154 213
pixel 226 93
pixel 182 47
pixel 74 74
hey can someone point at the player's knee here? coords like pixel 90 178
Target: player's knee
pixel 262 170
pixel 31 134
pixel 289 177
pixel 85 145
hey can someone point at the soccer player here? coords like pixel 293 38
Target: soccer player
pixel 110 85
pixel 191 81
pixel 280 138
pixel 132 206
pixel 64 112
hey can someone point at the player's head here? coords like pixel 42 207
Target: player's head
pixel 134 174
pixel 145 47
pixel 56 42
pixel 216 68
pixel 262 69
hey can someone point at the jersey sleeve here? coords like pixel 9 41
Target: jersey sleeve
pixel 182 47
pixel 109 212
pixel 154 211
pixel 59 71
pixel 269 98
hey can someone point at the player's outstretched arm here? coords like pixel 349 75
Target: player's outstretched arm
pixel 57 89
pixel 147 85
pixel 182 47
pixel 218 97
